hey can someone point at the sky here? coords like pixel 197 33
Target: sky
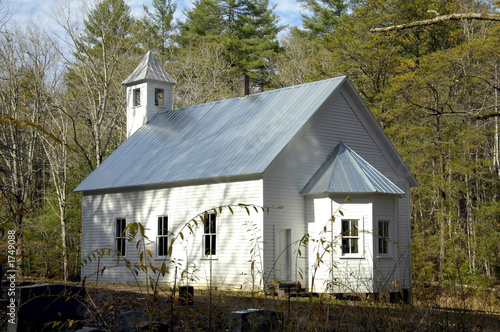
pixel 41 10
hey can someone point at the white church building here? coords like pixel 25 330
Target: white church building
pixel 304 148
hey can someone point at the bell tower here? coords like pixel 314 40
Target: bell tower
pixel 149 91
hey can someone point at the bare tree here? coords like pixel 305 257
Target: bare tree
pixel 57 151
pixel 303 60
pixel 5 15
pixel 98 38
pixel 25 72
pixel 203 74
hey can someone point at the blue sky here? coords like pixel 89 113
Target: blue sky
pixel 41 10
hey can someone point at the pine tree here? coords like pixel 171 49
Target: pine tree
pixel 107 26
pixel 154 31
pixel 247 30
pixel 325 15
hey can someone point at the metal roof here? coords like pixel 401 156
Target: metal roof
pixel 148 69
pixel 344 171
pixel 240 136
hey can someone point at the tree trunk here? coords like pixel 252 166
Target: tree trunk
pixel 18 227
pixel 63 244
pixel 442 200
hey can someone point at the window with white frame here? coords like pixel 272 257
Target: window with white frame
pixel 120 241
pixel 136 94
pixel 210 235
pixel 158 97
pixel 350 236
pixel 162 237
pixel 383 237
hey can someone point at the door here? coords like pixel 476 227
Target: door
pixel 284 255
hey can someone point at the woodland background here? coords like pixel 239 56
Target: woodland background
pixel 433 87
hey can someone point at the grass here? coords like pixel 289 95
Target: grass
pixel 433 309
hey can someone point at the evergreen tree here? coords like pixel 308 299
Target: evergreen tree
pixel 154 31
pixel 107 26
pixel 247 30
pixel 325 15
pixel 204 20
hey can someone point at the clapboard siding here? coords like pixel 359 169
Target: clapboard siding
pixel 180 204
pixel 353 273
pixel 288 175
pixel 321 235
pixel 336 122
pixel 404 258
pixel 384 272
pixel 395 170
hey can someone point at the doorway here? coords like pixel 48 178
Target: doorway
pixel 284 254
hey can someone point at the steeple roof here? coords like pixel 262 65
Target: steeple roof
pixel 148 69
pixel 346 172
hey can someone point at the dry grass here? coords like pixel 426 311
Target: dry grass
pixel 432 309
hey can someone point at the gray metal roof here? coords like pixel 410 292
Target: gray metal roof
pixel 344 171
pixel 240 136
pixel 148 69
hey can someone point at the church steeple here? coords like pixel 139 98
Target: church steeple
pixel 149 91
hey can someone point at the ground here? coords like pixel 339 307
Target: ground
pixel 324 313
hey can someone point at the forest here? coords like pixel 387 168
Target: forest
pixel 429 70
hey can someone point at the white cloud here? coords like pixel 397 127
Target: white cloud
pixel 42 10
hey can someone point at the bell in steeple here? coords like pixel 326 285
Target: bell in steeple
pixel 149 91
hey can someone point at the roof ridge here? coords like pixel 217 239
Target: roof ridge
pixel 352 155
pixel 231 137
pixel 148 69
pixel 341 156
pixel 256 94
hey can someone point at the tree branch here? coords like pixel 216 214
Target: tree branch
pixel 440 18
pixel 486 116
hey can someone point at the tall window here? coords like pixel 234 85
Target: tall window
pixel 137 97
pixel 350 236
pixel 383 236
pixel 120 224
pixel 210 235
pixel 158 97
pixel 162 238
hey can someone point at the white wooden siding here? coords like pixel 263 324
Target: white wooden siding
pixel 385 269
pixel 403 207
pixel 231 268
pixel 393 273
pixel 334 123
pixel 354 273
pixel 369 272
pixel 137 116
pixel 321 260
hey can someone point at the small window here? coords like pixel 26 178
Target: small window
pixel 120 224
pixel 210 235
pixel 137 97
pixel 162 238
pixel 158 97
pixel 383 237
pixel 350 236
